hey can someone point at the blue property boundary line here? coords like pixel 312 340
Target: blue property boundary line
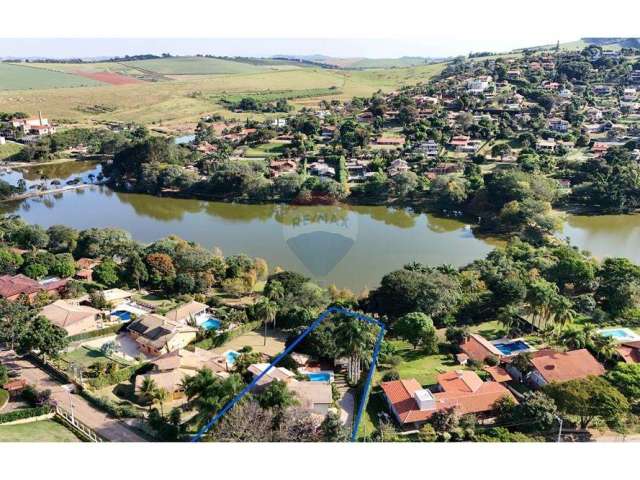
pixel 321 318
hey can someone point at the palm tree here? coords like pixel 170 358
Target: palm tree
pixel 148 390
pixel 563 310
pixel 160 395
pixel 353 338
pixel 574 338
pixel 268 310
pixel 605 348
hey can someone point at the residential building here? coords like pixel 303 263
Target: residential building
pixel 428 148
pixel 321 169
pixel 12 287
pixel 559 125
pixel 85 268
pixel 479 85
pixel 629 351
pixel 546 146
pixel 156 334
pixel 392 141
pixel 478 348
pixel 398 166
pixel 74 319
pixel 412 405
pixel 552 366
pixel 169 370
pixel 189 311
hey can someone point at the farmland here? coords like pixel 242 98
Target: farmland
pixel 176 105
pixel 196 66
pixel 13 77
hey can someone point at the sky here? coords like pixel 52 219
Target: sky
pixel 343 28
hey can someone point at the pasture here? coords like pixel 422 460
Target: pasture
pixel 196 66
pixel 25 77
pixel 174 106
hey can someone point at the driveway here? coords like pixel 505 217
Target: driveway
pixel 112 429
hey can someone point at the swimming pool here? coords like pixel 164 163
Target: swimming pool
pixel 230 356
pixel 123 315
pixel 619 334
pixel 211 323
pixel 512 347
pixel 319 376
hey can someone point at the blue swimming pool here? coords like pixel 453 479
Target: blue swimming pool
pixel 512 348
pixel 319 376
pixel 231 356
pixel 619 334
pixel 211 324
pixel 123 315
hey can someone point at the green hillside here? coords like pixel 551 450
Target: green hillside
pixel 24 77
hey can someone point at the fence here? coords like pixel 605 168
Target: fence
pixel 77 425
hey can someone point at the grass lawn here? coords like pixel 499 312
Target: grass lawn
pixel 22 77
pixel 43 431
pixel 85 356
pixel 196 66
pixel 272 149
pixel 8 150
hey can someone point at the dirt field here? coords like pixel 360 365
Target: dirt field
pixel 110 78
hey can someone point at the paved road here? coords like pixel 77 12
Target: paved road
pixel 109 428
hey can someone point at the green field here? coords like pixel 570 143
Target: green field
pixel 176 105
pixel 8 150
pixel 24 77
pixel 196 66
pixel 43 431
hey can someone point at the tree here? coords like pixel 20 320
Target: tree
pixel 148 390
pixel 44 337
pixel 62 239
pixel 267 310
pixel 107 273
pixel 160 395
pixel 246 422
pixel 10 262
pixel 417 329
pixel 619 287
pixel 135 271
pixel 589 398
pixel 276 395
pixel 353 337
pixel 31 236
pixel 332 429
pixel 161 270
pixel 626 378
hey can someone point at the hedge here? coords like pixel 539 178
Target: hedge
pixel 24 413
pixel 116 377
pixel 110 407
pixel 4 398
pixel 96 333
pixel 222 338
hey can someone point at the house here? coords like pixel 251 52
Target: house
pixel 602 89
pixel 156 334
pixel 513 74
pixel 169 370
pixel 559 125
pixel 328 131
pixel 428 148
pixel 546 146
pixel 398 166
pixel 189 311
pixel 463 390
pixel 281 167
pixel 552 366
pixel 479 85
pixel 114 296
pixel 321 169
pixel 315 397
pixel 393 141
pixel 74 319
pixel 11 287
pixel 629 351
pixel 629 94
pixel 478 348
pixel 85 268
pixel 446 168
pixel 498 374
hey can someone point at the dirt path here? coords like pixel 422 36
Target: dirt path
pixel 109 428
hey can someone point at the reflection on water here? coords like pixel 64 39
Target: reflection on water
pixel 351 246
pixel 605 235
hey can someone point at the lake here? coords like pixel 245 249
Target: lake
pixel 349 246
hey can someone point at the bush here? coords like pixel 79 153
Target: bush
pixel 391 375
pixel 96 333
pixel 125 410
pixel 24 413
pixel 114 377
pixel 4 397
pixel 491 361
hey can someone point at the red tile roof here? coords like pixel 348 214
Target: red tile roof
pixel 564 366
pixel 630 352
pixel 466 392
pixel 18 284
pixel 478 348
pixel 498 374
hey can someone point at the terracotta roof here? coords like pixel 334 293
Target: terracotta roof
pixel 478 348
pixel 63 314
pixel 475 396
pixel 15 385
pixel 630 352
pixel 184 312
pixel 498 374
pixel 18 284
pixel 563 366
pixel 311 393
